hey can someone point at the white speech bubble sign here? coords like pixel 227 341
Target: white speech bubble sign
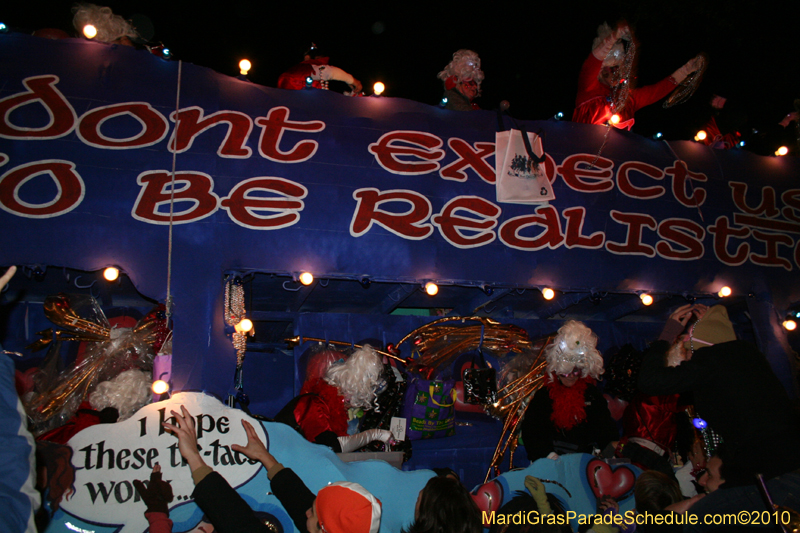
pixel 109 457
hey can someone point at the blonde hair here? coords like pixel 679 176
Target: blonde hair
pixel 575 346
pixel 466 65
pixel 358 377
pixel 110 27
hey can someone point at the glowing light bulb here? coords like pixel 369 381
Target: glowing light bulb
pixel 699 423
pixel 378 88
pixel 700 135
pixel 782 151
pixel 724 292
pixel 89 31
pixel 309 81
pixel 559 115
pixel 443 103
pixel 789 324
pixel 244 326
pixel 306 278
pixel 614 119
pixel 160 386
pixel 3 27
pixel 646 299
pixel 658 135
pixel 244 67
pixel 431 288
pixel 111 273
pixel 166 53
pixel 548 293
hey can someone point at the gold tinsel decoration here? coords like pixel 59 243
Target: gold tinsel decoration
pixel 440 341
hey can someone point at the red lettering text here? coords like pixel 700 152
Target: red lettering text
pixel 633 244
pixel 419 158
pixel 192 188
pixel 478 226
pixel 41 89
pixel 574 238
pixel 771 240
pixel 791 199
pixel 687 234
pixel 723 231
pixel 550 236
pixel 629 189
pixel 408 224
pixel 469 158
pixel 154 126
pixel 680 177
pixel 247 206
pixel 766 207
pixel 191 123
pixel 272 128
pixel 70 189
pixel 579 176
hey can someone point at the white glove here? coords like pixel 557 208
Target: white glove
pixel 359 440
pixel 605 46
pixel 7 276
pixel 691 66
pixel 553 456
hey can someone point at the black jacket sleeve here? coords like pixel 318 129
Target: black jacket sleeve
pixel 537 429
pixel 224 508
pixel 656 379
pixel 294 496
pixel 603 429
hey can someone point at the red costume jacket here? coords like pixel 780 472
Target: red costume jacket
pixel 592 105
pixel 652 418
pixel 295 77
pixel 320 409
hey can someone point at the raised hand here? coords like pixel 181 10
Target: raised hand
pixel 254 449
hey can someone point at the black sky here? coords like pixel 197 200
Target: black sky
pixel 531 52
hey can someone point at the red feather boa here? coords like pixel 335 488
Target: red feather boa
pixel 335 403
pixel 569 403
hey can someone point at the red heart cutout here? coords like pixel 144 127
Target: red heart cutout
pixel 606 482
pixel 488 497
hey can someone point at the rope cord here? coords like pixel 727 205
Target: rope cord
pixel 169 301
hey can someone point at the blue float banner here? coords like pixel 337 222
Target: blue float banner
pixel 284 181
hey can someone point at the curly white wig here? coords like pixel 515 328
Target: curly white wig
pixel 466 65
pixel 128 392
pixel 110 27
pixel 358 377
pixel 575 346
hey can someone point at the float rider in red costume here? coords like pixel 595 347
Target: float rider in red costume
pixel 320 412
pixel 315 66
pixel 604 84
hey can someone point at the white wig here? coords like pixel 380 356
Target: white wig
pixel 128 392
pixel 466 65
pixel 575 347
pixel 358 377
pixel 110 27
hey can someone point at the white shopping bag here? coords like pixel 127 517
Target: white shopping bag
pixel 519 180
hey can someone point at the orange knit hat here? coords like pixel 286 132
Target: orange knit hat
pixel 345 507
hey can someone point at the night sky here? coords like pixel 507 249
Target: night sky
pixel 531 52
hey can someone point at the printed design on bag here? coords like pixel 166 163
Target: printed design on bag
pixel 524 167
